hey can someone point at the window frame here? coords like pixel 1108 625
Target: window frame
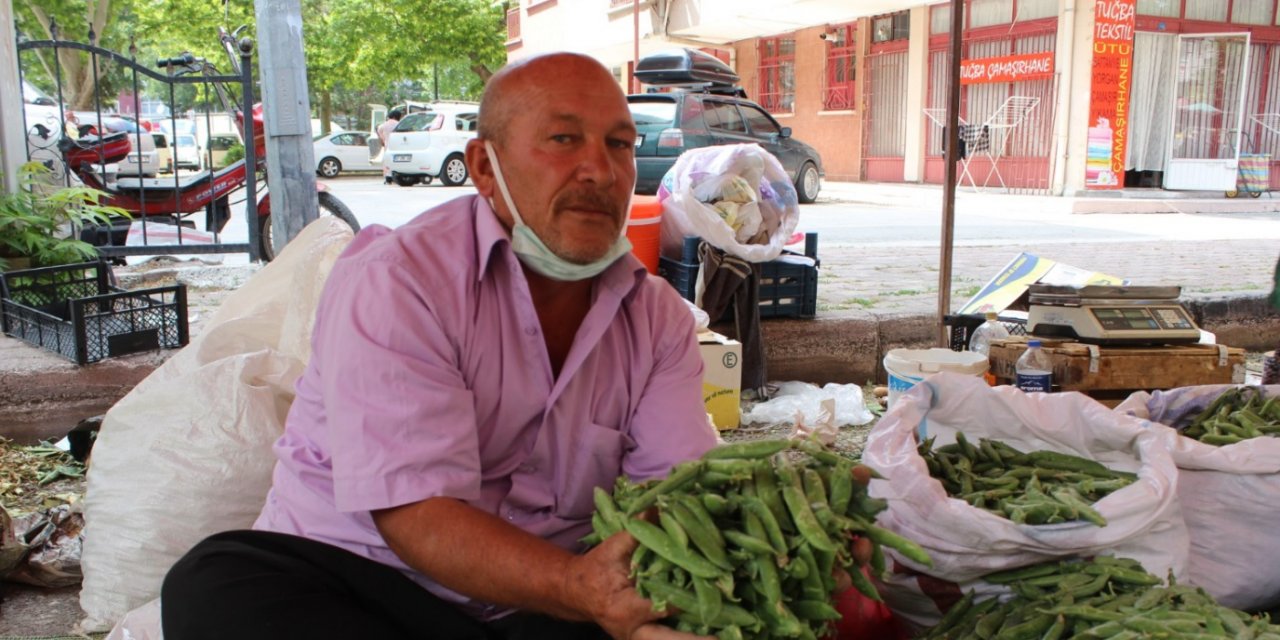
pixel 840 95
pixel 774 69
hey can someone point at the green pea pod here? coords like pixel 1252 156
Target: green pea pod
pixel 957 610
pixel 1085 511
pixel 798 505
pixel 709 602
pixel 640 559
pixel 821 453
pixel 749 543
pixel 815 610
pixel 658 540
pixel 749 449
pixel 966 448
pixel 841 486
pixel 766 486
pixel 608 511
pixel 812 585
pixel 715 504
pixel 1055 631
pixel 772 531
pixel 770 582
pixel 879 566
pixel 1023 573
pixel 662 592
pixel 988 625
pixel 674 530
pixel 731 632
pixel 1028 630
pixel 681 475
pixel 814 489
pixel 706 539
pixel 907 548
pixel 863 584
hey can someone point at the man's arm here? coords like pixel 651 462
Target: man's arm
pixel 477 554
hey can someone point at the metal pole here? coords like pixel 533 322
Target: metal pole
pixel 949 186
pixel 250 152
pixel 635 51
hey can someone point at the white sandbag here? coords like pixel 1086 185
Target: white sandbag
pixel 187 453
pixel 1229 499
pixel 1143 519
pixel 701 176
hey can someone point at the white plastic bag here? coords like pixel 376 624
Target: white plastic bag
pixel 805 400
pixel 142 623
pixel 701 320
pixel 1143 519
pixel 1229 499
pixel 187 453
pixel 696 179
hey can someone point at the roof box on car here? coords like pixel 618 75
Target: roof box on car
pixel 684 66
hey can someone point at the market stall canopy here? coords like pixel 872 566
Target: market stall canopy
pixel 723 22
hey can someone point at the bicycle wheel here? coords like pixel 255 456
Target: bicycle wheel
pixel 329 205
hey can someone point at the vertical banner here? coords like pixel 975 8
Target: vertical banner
pixel 1114 24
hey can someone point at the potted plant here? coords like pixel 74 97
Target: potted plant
pixel 40 225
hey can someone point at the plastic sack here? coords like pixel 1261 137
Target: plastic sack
pixel 804 401
pixel 142 623
pixel 755 230
pixel 53 542
pixel 187 453
pixel 1144 521
pixel 1229 496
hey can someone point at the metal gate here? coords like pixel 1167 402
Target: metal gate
pixel 160 204
pixel 1023 154
pixel 885 125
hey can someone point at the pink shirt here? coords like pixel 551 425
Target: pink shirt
pixel 430 377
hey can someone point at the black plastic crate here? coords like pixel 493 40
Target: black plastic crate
pixel 74 312
pixel 963 326
pixel 787 290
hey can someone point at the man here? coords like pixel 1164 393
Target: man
pixel 475 373
pixel 384 134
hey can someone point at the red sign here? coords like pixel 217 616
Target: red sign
pixel 1028 66
pixel 1114 24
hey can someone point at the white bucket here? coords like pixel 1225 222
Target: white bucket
pixel 906 367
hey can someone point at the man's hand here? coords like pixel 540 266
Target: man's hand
pixel 600 581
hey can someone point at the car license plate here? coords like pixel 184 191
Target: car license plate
pixel 401 157
pixel 639 141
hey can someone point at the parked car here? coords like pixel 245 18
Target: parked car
pixel 164 151
pixel 343 151
pixel 708 109
pixel 142 159
pixel 430 144
pixel 186 152
pixel 219 146
pixel 39 109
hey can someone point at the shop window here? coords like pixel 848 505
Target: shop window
pixel 513 26
pixel 778 74
pixel 841 69
pixel 1162 8
pixel 940 20
pixel 1036 9
pixel 984 13
pixel 1210 10
pixel 1252 11
pixel 895 26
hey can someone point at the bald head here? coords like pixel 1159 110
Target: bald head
pixel 512 86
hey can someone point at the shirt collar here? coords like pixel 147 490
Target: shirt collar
pixel 623 276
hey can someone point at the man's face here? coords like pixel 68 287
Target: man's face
pixel 568 158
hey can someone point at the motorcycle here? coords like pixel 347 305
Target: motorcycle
pixel 177 198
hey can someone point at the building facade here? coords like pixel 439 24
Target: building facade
pixel 1057 96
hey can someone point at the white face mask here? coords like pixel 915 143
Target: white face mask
pixel 535 254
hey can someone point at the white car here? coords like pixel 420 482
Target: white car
pixel 343 151
pixel 430 144
pixel 186 152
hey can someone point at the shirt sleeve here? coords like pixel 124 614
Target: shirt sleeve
pixel 670 422
pixel 401 422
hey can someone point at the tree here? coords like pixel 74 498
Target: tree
pixel 36 20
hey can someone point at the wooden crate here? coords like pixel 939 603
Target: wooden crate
pixel 1110 374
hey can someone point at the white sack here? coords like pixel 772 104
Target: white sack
pixel 142 623
pixel 1229 499
pixel 1143 519
pixel 187 453
pixel 701 173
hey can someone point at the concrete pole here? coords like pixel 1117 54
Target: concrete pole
pixel 290 156
pixel 13 151
pixel 917 86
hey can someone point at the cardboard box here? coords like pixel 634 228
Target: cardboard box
pixel 721 378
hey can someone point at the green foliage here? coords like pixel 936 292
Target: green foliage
pixel 43 224
pixel 234 152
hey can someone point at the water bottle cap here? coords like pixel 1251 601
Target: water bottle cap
pixel 1033 343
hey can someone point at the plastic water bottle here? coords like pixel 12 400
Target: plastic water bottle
pixel 1034 370
pixel 980 341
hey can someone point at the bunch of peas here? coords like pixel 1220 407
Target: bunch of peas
pixel 1237 415
pixel 745 541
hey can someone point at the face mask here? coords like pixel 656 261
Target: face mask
pixel 533 253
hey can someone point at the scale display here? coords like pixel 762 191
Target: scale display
pixel 1142 318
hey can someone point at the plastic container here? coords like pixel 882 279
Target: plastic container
pixel 1034 370
pixel 906 367
pixel 644 230
pixel 980 342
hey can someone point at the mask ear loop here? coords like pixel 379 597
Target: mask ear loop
pixel 502 185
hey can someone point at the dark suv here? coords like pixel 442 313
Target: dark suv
pixel 708 110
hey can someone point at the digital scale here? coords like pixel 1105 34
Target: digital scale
pixel 1110 315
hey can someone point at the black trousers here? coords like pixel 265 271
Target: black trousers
pixel 258 584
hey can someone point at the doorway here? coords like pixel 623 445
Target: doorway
pixel 1207 111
